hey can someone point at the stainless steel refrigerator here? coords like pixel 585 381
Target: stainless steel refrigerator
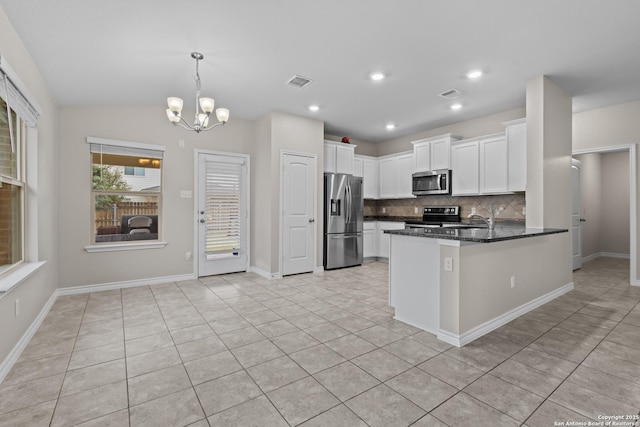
pixel 343 217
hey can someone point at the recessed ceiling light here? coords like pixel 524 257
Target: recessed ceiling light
pixel 391 126
pixel 313 108
pixel 456 106
pixel 474 74
pixel 376 76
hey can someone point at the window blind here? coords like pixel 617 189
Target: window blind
pixel 125 151
pixel 17 100
pixel 223 183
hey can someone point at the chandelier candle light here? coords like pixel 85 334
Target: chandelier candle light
pixel 201 121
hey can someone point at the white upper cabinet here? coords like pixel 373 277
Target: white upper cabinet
pixel 433 153
pixel 387 177
pixel 480 166
pixel 370 178
pixel 404 179
pixel 395 176
pixel 516 131
pixel 494 176
pixel 338 157
pixel 367 168
pixel 465 162
pixel 358 166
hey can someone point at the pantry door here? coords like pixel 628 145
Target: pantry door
pixel 298 197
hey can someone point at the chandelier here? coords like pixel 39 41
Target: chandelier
pixel 204 107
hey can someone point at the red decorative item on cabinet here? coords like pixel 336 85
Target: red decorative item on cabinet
pixel 345 139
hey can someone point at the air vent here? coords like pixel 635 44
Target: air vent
pixel 452 94
pixel 298 81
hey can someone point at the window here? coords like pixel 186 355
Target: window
pixel 133 171
pixel 19 114
pixel 12 188
pixel 126 191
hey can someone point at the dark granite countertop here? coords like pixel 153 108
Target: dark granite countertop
pixel 393 218
pixel 478 234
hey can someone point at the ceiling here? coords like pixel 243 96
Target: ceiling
pixel 138 52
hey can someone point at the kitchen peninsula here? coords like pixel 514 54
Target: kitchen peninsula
pixel 463 282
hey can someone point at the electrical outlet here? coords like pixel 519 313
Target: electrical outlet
pixel 17 308
pixel 416 210
pixel 448 263
pixel 473 210
pixel 384 210
pixel 513 282
pixel 188 256
pixel 524 210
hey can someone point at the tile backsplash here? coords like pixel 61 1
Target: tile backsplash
pixel 513 204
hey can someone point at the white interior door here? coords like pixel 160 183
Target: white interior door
pixel 222 214
pixel 576 210
pixel 298 213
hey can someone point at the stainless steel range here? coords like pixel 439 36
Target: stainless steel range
pixel 436 216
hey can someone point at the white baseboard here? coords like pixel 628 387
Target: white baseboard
pixel 13 355
pixel 125 284
pixel 265 274
pixel 319 269
pixel 615 255
pixel 503 319
pixel 606 255
pixel 17 350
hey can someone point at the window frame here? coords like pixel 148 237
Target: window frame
pixel 18 134
pixel 133 244
pixel 25 106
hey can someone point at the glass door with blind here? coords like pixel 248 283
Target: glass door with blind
pixel 222 214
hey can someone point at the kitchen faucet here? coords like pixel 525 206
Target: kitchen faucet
pixel 491 221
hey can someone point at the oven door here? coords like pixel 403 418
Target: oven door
pixel 433 182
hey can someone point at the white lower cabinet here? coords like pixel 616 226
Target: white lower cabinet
pixel 383 239
pixel 369 239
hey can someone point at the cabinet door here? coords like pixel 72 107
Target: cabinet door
pixel 384 239
pixel 388 178
pixel 493 166
pixel 329 158
pixel 344 159
pixel 358 164
pixel 517 148
pixel 404 165
pixel 440 150
pixel 422 153
pixel 370 178
pixel 464 169
pixel 369 238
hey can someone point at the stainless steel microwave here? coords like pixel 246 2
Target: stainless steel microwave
pixel 431 182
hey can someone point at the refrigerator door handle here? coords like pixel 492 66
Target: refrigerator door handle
pixel 350 236
pixel 347 199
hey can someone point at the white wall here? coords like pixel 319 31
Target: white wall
pixel 485 125
pixel 35 291
pixel 146 124
pixel 615 203
pixel 591 200
pixel 609 127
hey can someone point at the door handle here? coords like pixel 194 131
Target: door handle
pixel 202 221
pixel 311 220
pixel 583 220
pixel 201 212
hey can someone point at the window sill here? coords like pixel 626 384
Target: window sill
pixel 19 275
pixel 125 247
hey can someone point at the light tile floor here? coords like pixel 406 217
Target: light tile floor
pixel 322 350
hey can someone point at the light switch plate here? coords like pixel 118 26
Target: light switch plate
pixel 186 194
